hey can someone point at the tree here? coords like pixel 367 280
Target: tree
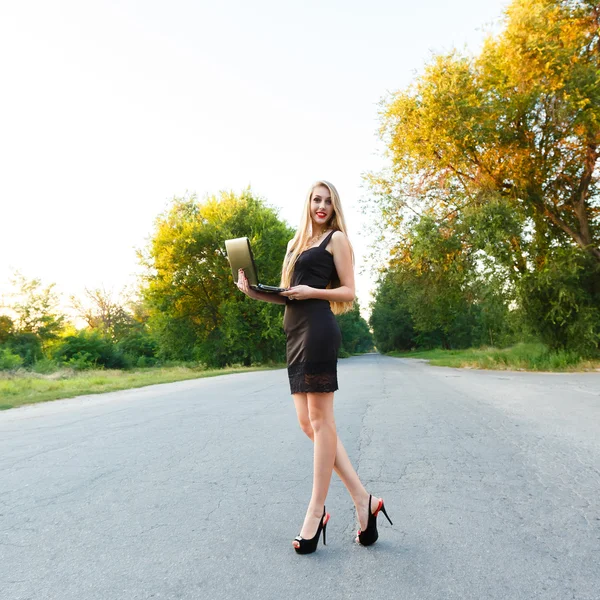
pixel 195 310
pixel 437 292
pixel 562 300
pixel 501 150
pixel 88 349
pixel 6 328
pixel 391 321
pixel 522 120
pixel 37 309
pixel 356 336
pixel 104 314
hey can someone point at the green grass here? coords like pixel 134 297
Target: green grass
pixel 24 387
pixel 521 357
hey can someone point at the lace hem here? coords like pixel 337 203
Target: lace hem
pixel 313 377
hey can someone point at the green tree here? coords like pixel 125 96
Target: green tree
pixel 105 314
pixel 27 345
pixel 438 292
pixel 87 349
pixel 502 151
pixel 391 321
pixel 38 321
pixel 195 310
pixel 37 309
pixel 356 336
pixel 522 120
pixel 438 272
pixel 6 328
pixel 562 299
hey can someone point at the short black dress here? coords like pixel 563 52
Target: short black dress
pixel 312 333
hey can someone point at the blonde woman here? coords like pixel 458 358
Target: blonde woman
pixel 318 270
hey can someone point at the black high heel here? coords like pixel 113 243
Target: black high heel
pixel 309 546
pixel 369 535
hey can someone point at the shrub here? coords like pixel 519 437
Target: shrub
pixel 89 349
pixel 145 361
pixel 45 366
pixel 356 337
pixel 27 345
pixel 138 344
pixel 8 360
pixel 81 361
pixel 561 302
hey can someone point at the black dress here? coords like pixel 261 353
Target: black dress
pixel 312 332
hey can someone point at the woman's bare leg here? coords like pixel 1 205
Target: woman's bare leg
pixel 320 414
pixel 342 465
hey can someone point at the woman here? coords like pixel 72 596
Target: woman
pixel 319 274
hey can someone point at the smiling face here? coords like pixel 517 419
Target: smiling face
pixel 321 208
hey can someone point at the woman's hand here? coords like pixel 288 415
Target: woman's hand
pixel 244 286
pixel 298 292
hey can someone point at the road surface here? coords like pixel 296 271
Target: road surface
pixel 196 489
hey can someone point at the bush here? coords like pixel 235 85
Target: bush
pixel 9 361
pixel 561 301
pixel 6 328
pixel 46 366
pixel 81 361
pixel 27 345
pixel 391 321
pixel 143 362
pixel 90 349
pixel 530 356
pixel 138 344
pixel 356 337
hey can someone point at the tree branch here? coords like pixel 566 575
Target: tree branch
pixel 581 194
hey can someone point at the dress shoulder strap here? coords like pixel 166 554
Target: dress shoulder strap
pixel 324 243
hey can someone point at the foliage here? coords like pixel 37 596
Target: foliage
pixel 195 311
pixel 6 328
pixel 23 387
pixel 497 157
pixel 435 272
pixel 9 360
pixel 105 314
pixel 250 333
pixel 522 119
pixel 37 322
pixel 434 294
pixel 46 366
pixel 81 361
pixel 561 301
pixel 174 332
pixel 356 336
pixel 524 356
pixel 36 309
pixel 139 344
pixel 88 349
pixel 391 321
pixel 27 345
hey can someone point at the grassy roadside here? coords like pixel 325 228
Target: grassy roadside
pixel 25 387
pixel 522 357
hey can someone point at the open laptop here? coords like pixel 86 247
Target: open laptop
pixel 240 256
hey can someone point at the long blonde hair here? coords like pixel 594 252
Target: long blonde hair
pixel 304 232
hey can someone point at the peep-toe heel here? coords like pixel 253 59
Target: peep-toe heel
pixel 370 534
pixel 309 546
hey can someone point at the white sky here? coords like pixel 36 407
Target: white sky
pixel 109 109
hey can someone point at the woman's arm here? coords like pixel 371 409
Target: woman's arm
pixel 244 287
pixel 342 258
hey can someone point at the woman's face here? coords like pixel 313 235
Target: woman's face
pixel 321 208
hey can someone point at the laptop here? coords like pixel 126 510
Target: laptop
pixel 240 256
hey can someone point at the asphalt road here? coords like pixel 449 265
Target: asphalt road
pixel 196 489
